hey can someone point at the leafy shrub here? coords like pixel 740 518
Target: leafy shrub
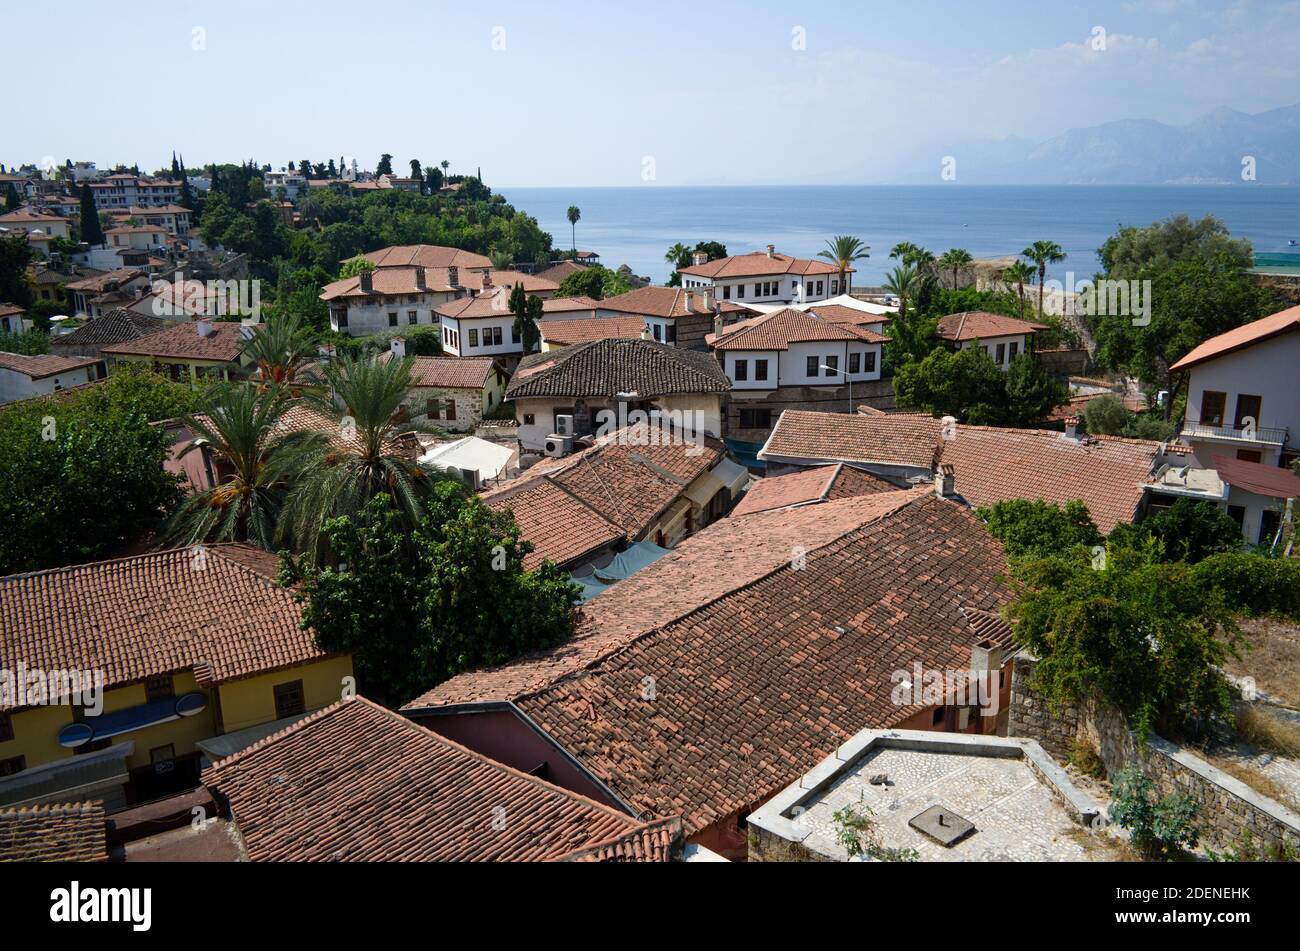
pixel 1037 529
pixel 1253 584
pixel 856 831
pixel 1161 829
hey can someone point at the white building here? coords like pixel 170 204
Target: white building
pixel 293 183
pixel 22 376
pixel 29 220
pixel 791 348
pixel 137 237
pixel 385 299
pixel 765 277
pixel 1002 338
pixel 122 190
pixel 481 326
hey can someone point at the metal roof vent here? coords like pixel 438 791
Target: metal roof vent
pixel 942 825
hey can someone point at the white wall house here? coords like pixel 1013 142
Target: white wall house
pixel 123 190
pixel 137 237
pixel 765 278
pixel 480 326
pixel 293 183
pixel 385 300
pixel 1002 338
pixel 791 348
pixel 22 376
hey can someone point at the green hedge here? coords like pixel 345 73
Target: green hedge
pixel 1254 584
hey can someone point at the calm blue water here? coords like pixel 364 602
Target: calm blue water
pixel 635 226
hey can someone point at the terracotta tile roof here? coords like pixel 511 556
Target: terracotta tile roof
pixel 182 342
pixel 116 326
pixel 570 331
pixel 758 684
pixel 991 464
pixel 757 264
pixel 780 328
pixel 1282 322
pixel 492 304
pixel 839 437
pixel 613 490
pixel 30 216
pixel 667 302
pixel 42 365
pixel 723 558
pixel 217 608
pixel 818 484
pixel 10 310
pixel 978 324
pixel 1271 481
pixel 428 256
pixel 558 272
pixel 71 832
pixel 608 367
pixel 106 281
pixel 451 373
pixel 564 305
pixel 840 314
pixel 355 782
pixel 655 841
pixel 560 526
pixel 533 283
pixel 385 282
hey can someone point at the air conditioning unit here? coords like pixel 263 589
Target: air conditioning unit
pixel 468 477
pixel 564 425
pixel 558 445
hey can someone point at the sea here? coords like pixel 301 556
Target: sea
pixel 636 226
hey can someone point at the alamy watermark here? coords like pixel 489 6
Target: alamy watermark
pixel 194 298
pixel 33 687
pixel 932 687
pixel 658 427
pixel 1100 298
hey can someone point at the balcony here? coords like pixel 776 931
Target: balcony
pixel 1261 435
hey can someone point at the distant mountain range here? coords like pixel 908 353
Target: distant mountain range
pixel 1208 150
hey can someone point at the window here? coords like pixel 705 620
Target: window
pixel 1001 358
pixel 820 285
pixel 670 333
pixel 473 338
pixel 740 290
pixel 832 366
pixel 450 408
pixel 869 362
pixel 392 318
pixel 1250 455
pixel 289 700
pixel 431 409
pixel 514 334
pixel 528 419
pixel 1212 405
pixel 760 369
pixel 163 759
pixel 1268 523
pixel 158 688
pixel 15 764
pixel 758 290
pixel 835 285
pixel 1247 406
pixel 342 317
pixel 740 370
pixel 855 362
pixel 937 717
pixel 656 331
pixel 811 368
pixel 496 336
pixel 755 419
pixel 1015 348
pixel 1237 513
pixel 6 727
pixel 412 317
pixel 726 292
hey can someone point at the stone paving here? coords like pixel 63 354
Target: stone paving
pixel 1016 817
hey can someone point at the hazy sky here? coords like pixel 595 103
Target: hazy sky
pixel 715 92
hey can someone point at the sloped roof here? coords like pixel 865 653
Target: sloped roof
pixel 63 832
pixel 216 609
pixel 840 437
pixel 533 283
pixel 1246 335
pixel 355 782
pixel 979 325
pixel 1269 481
pixel 384 282
pixel 818 484
pixel 182 342
pixel 116 326
pixel 757 264
pixel 779 329
pixel 608 367
pixel 40 366
pixel 562 305
pixel 494 303
pixel 667 302
pixel 582 330
pixel 757 683
pixel 98 283
pixel 561 527
pixel 427 256
pixel 450 373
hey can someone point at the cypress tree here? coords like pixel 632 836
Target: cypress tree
pixel 91 232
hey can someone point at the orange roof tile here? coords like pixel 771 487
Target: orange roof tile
pixel 1246 335
pixel 979 325
pixel 818 484
pixel 182 342
pixel 667 302
pixel 758 264
pixel 62 832
pixel 570 331
pixel 780 328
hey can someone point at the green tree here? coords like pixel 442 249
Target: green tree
pixel 965 384
pixel 15 255
pixel 1160 829
pixel 281 349
pixel 1106 415
pixel 417 170
pixel 842 250
pixel 1038 529
pixel 1192 529
pixel 589 282
pixel 1032 392
pixel 12 201
pixel 1019 274
pixel 385 166
pixel 956 259
pixel 903 282
pixel 240 427
pixel 1043 253
pixel 354 266
pixel 1131 251
pixel 416 605
pixel 91 231
pixel 574 214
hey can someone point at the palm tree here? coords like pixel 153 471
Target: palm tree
pixel 573 214
pixel 677 254
pixel 1043 253
pixel 957 258
pixel 240 427
pixel 1019 274
pixel 340 474
pixel 280 350
pixel 903 282
pixel 445 165
pixel 843 250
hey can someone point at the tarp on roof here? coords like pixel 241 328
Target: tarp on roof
pixel 630 561
pixel 590 585
pixel 488 458
pixel 1270 481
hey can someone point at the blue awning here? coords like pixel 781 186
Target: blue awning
pixel 630 561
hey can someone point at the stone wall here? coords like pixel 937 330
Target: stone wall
pixel 1285 286
pixel 1064 362
pixel 878 394
pixel 766 846
pixel 1228 807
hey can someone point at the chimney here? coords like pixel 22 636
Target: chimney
pixel 487 280
pixel 204 327
pixel 1072 427
pixel 419 279
pixel 717 325
pixel 945 482
pixel 707 294
pixel 771 250
pixel 700 257
pixel 398 347
pixel 367 282
pixel 645 332
pixel 986 656
pixel 688 301
pixel 453 276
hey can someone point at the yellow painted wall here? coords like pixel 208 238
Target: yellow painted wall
pixel 244 703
